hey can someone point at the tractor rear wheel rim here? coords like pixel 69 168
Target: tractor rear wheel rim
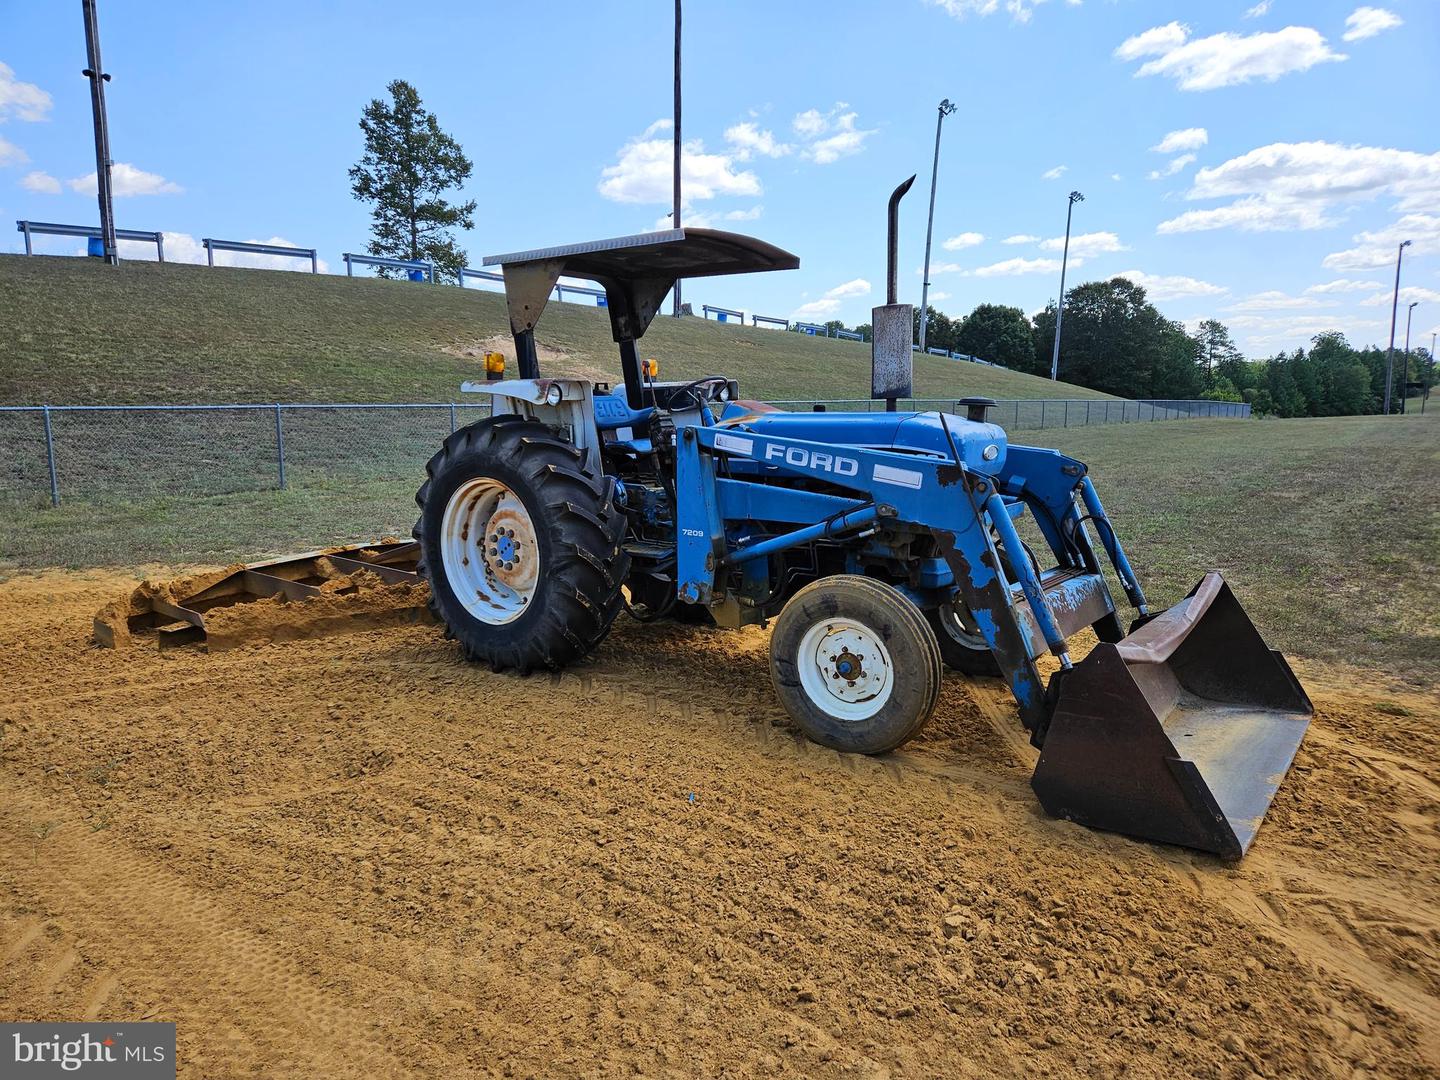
pixel 488 545
pixel 845 669
pixel 961 626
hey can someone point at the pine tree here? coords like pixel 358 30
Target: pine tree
pixel 408 165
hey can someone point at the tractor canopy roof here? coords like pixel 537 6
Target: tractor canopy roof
pixel 636 272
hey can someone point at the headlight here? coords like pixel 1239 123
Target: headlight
pixel 553 394
pixel 991 452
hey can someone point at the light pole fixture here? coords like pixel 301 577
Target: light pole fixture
pixel 1405 361
pixel 676 150
pixel 1394 308
pixel 1075 197
pixel 96 74
pixel 946 108
pixel 1429 376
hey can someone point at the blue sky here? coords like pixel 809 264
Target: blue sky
pixel 1249 161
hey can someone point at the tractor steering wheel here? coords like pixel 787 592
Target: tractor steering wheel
pixel 700 392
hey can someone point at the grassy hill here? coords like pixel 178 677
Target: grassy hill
pixel 78 332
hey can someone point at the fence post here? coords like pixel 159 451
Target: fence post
pixel 1042 414
pixel 1067 413
pixel 1017 415
pixel 452 418
pixel 280 446
pixel 50 460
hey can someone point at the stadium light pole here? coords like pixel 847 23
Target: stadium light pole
pixel 1075 197
pixel 675 213
pixel 946 108
pixel 1405 360
pixel 1394 308
pixel 96 74
pixel 1429 376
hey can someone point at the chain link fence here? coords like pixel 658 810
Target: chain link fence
pixel 94 453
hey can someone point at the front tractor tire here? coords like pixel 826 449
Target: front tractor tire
pixel 855 664
pixel 521 545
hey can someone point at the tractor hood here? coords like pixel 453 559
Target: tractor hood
pixel 921 433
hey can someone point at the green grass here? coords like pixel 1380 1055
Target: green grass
pixel 1327 529
pixel 77 332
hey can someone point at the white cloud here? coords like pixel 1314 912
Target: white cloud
pixel 748 139
pixel 643 173
pixel 10 154
pixel 1171 286
pixel 1408 294
pixel 1055 173
pixel 1184 139
pixel 1225 59
pixel 1295 185
pixel 855 287
pixel 1086 245
pixel 125 180
pixel 1249 215
pixel 1275 300
pixel 963 240
pixel 40 183
pixel 1115 176
pixel 1379 248
pixel 937 296
pixel 1019 10
pixel 1366 22
pixel 829 303
pixel 663 124
pixel 21 100
pixel 1021 238
pixel 1157 41
pixel 1014 267
pixel 942 268
pixel 1342 285
pixel 1258 10
pixel 841 136
pixel 1176 164
pixel 1268 332
pixel 809 123
pixel 750 214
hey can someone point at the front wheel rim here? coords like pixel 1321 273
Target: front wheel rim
pixel 845 669
pixel 490 552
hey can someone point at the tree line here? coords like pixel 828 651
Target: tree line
pixel 1114 339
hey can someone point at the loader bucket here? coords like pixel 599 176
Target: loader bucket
pixel 1181 733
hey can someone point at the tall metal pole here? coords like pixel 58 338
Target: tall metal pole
pixel 675 215
pixel 1429 376
pixel 1394 308
pixel 1075 197
pixel 1405 360
pixel 96 74
pixel 945 110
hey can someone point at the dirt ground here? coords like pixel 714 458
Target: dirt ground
pixel 359 856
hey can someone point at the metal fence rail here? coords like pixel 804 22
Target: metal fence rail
pixel 95 453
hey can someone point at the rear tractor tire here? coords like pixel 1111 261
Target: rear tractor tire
pixel 962 646
pixel 855 664
pixel 521 544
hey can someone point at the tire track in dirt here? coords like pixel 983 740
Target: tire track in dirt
pixel 494 871
pixel 186 950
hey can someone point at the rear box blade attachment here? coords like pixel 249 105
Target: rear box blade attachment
pixel 179 615
pixel 1181 733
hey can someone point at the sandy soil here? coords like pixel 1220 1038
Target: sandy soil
pixel 359 856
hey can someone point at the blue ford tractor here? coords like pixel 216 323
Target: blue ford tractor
pixel 885 547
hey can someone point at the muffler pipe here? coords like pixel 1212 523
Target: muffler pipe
pixel 892 243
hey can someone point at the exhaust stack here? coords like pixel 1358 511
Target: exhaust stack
pixel 892 326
